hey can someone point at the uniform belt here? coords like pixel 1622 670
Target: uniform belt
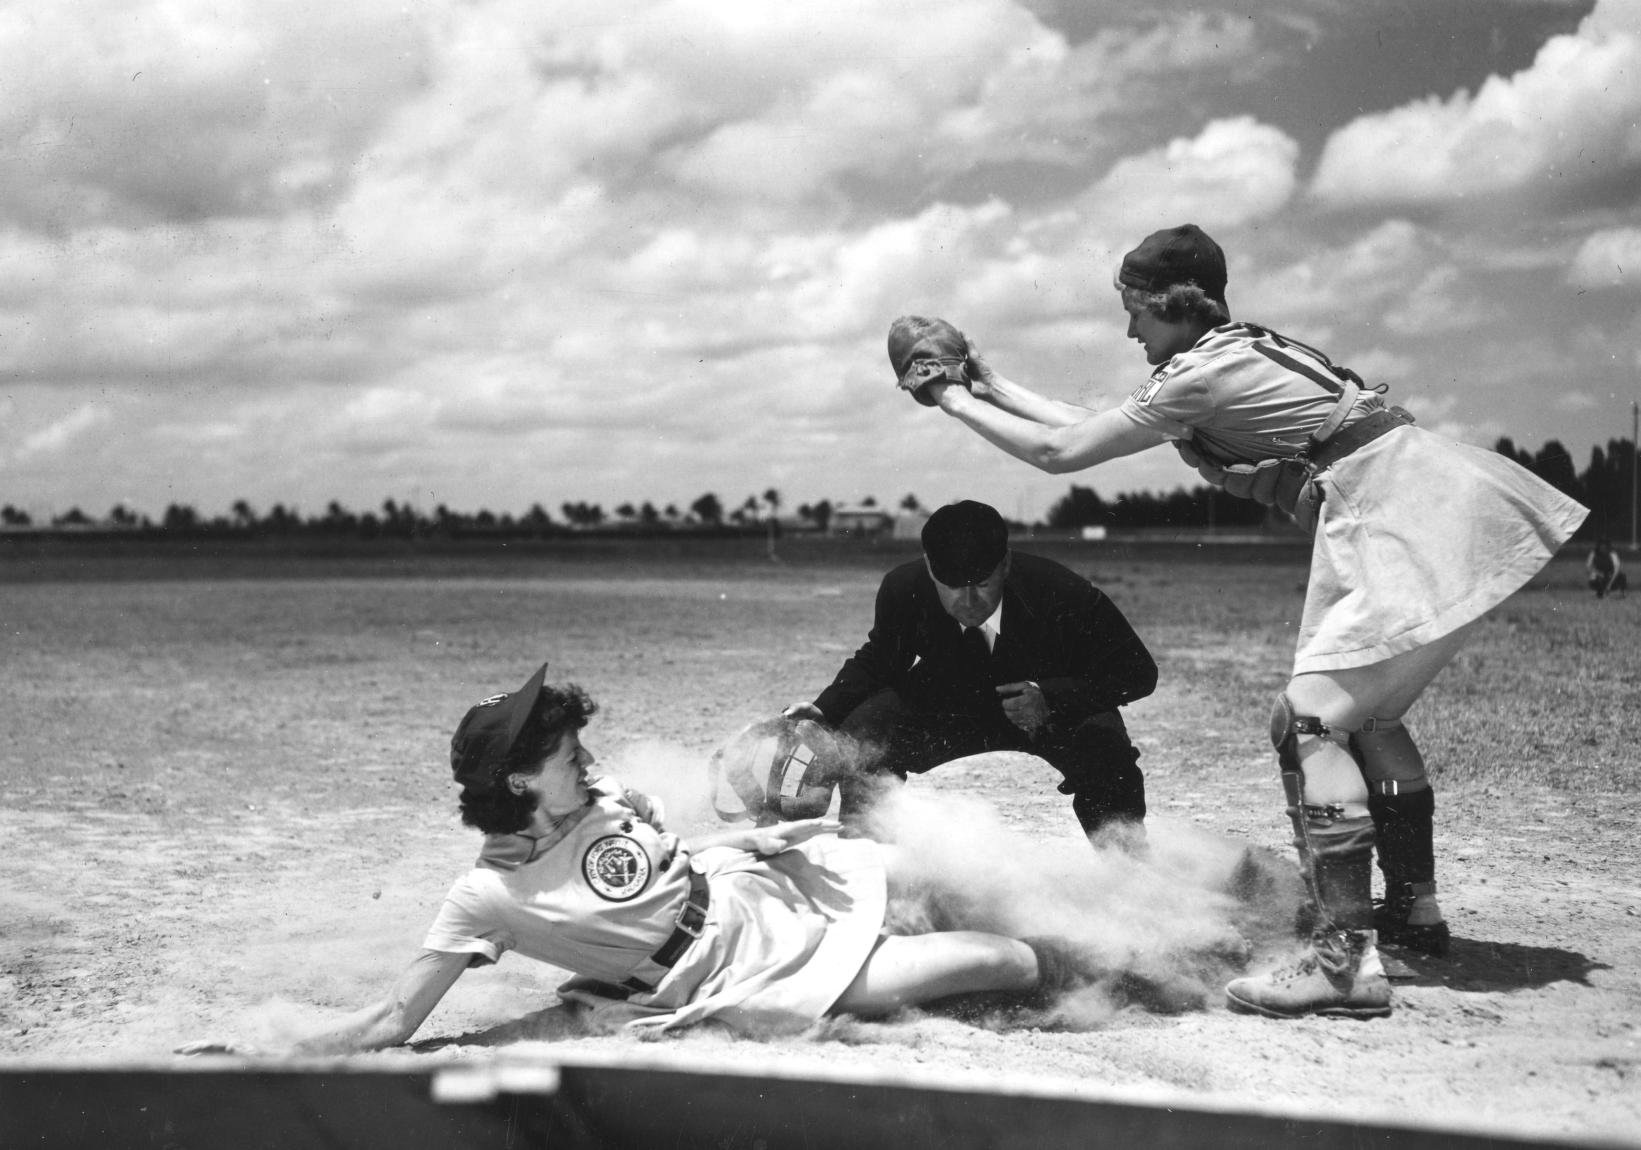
pixel 1358 434
pixel 692 919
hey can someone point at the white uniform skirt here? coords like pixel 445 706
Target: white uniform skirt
pixel 1419 535
pixel 784 937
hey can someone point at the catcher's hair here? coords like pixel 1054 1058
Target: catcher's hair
pixel 1177 303
pixel 494 808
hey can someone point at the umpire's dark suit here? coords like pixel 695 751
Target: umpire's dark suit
pixel 918 692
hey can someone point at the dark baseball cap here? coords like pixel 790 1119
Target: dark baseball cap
pixel 488 731
pixel 964 542
pixel 1175 256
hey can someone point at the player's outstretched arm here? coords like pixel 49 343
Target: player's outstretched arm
pixel 1018 399
pixel 392 1020
pixel 389 1022
pixel 1096 438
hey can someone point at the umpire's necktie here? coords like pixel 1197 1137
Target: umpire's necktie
pixel 975 640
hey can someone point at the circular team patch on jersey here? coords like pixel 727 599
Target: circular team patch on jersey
pixel 616 868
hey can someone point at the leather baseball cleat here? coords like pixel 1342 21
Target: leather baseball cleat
pixel 1339 975
pixel 1408 917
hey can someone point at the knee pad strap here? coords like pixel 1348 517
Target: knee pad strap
pixel 1391 762
pixel 1286 727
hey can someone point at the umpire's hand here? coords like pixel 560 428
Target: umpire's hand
pixel 1025 705
pixel 804 711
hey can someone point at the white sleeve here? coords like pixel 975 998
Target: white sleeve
pixel 463 926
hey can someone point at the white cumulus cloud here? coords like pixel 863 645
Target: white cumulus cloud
pixel 1233 171
pixel 1608 258
pixel 1573 116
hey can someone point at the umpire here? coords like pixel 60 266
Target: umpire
pixel 976 648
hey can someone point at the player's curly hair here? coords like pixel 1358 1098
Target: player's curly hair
pixel 493 808
pixel 1178 302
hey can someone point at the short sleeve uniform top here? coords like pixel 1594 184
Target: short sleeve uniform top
pixel 1417 535
pixel 1242 394
pixel 597 896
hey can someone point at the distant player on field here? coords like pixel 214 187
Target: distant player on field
pixel 1416 537
pixel 1604 571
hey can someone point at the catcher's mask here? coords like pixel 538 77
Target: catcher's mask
pixel 780 769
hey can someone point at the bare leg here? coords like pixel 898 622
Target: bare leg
pixel 1384 690
pixel 1383 769
pixel 905 970
pixel 1318 730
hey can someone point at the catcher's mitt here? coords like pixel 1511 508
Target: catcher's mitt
pixel 924 350
pixel 780 769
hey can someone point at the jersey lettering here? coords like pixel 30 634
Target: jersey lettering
pixel 1147 391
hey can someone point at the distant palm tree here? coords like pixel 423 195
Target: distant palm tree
pixel 180 517
pixel 707 509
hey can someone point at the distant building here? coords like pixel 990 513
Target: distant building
pixel 859 521
pixel 909 524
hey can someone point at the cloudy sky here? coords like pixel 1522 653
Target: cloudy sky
pixel 489 253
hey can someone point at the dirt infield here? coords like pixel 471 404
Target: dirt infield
pixel 225 812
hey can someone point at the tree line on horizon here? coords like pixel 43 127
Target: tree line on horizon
pixel 1606 486
pixel 402 519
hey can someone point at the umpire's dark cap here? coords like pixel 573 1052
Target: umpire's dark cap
pixel 1175 256
pixel 964 542
pixel 488 731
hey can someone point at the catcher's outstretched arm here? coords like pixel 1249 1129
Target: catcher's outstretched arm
pixel 1018 399
pixel 1098 437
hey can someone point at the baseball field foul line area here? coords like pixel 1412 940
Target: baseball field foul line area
pixel 520 1104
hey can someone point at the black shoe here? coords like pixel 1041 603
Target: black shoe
pixel 1390 919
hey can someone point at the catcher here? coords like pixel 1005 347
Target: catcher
pixel 1416 537
pixel 763 928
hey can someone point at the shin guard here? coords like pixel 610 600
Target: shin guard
pixel 1400 801
pixel 1335 845
pixel 1343 861
pixel 1406 836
